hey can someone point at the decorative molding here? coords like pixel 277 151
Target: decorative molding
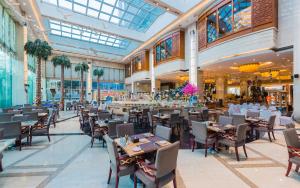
pixel 202 37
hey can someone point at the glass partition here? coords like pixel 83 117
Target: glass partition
pixel 212 27
pixel 242 14
pixel 225 20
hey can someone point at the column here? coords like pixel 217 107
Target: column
pixel 192 34
pixel 25 61
pixel 132 81
pixel 296 39
pixel 244 87
pixel 200 84
pixel 152 74
pixel 89 81
pixel 220 88
pixel 157 85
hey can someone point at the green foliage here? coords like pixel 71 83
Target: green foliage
pixel 82 67
pixel 38 48
pixel 98 72
pixel 61 60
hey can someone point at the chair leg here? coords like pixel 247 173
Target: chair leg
pixel 92 142
pixel 288 169
pixel 205 149
pixel 269 136
pixel 49 137
pixel 117 181
pixel 109 175
pixel 237 154
pixel 244 147
pixel 1 168
pixel 135 182
pixel 193 146
pixel 297 168
pixel 174 183
pixel 273 135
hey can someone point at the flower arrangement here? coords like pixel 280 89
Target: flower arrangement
pixel 190 89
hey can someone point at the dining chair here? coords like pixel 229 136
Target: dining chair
pixel 27 109
pixel 266 127
pixel 116 165
pixel 42 129
pixel 162 171
pixel 252 114
pixel 163 132
pixel 96 132
pixel 200 133
pixel 175 122
pixel 144 116
pixel 104 116
pixel 235 140
pixel 5 117
pixel 32 116
pixel 112 129
pixel 238 119
pixel 12 130
pixel 293 145
pixel 151 122
pixel 124 129
pixel 205 115
pixel 225 120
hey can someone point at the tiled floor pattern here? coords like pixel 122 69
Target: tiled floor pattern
pixel 68 161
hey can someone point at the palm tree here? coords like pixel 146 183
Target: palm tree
pixel 81 67
pixel 64 63
pixel 41 50
pixel 99 73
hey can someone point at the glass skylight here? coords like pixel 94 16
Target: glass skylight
pixel 80 33
pixel 132 14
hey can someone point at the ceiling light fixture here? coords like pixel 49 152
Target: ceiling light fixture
pixel 251 67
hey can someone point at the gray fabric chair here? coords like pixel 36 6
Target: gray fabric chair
pixel 238 119
pixel 27 109
pixel 115 165
pixel 293 144
pixel 200 133
pixel 252 114
pixel 12 130
pixel 124 129
pixel 225 120
pixel 32 116
pixel 164 168
pixel 266 127
pixel 175 122
pixel 104 116
pixel 112 129
pixel 20 118
pixel 5 117
pixel 163 132
pixel 237 140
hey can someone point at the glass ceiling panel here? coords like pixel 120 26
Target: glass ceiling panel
pixel 133 14
pixel 80 33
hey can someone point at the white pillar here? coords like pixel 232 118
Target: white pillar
pixel 296 24
pixel 89 81
pixel 152 75
pixel 132 81
pixel 25 60
pixel 193 54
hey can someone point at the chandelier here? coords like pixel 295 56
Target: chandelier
pixel 285 77
pixel 209 81
pixel 272 74
pixel 252 67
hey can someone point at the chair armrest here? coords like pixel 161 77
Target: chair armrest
pixel 294 151
pixel 1 134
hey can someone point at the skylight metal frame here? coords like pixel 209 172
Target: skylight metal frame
pixel 63 29
pixel 133 14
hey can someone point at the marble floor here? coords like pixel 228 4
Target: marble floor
pixel 68 161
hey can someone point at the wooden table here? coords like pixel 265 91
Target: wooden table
pixel 147 143
pixel 194 113
pixel 92 115
pixel 162 117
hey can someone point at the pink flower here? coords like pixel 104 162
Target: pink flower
pixel 190 89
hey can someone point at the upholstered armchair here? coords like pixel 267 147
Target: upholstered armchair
pixel 293 146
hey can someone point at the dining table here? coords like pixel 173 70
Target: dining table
pixel 214 127
pixel 145 143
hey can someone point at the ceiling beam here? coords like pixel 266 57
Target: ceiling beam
pixel 165 6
